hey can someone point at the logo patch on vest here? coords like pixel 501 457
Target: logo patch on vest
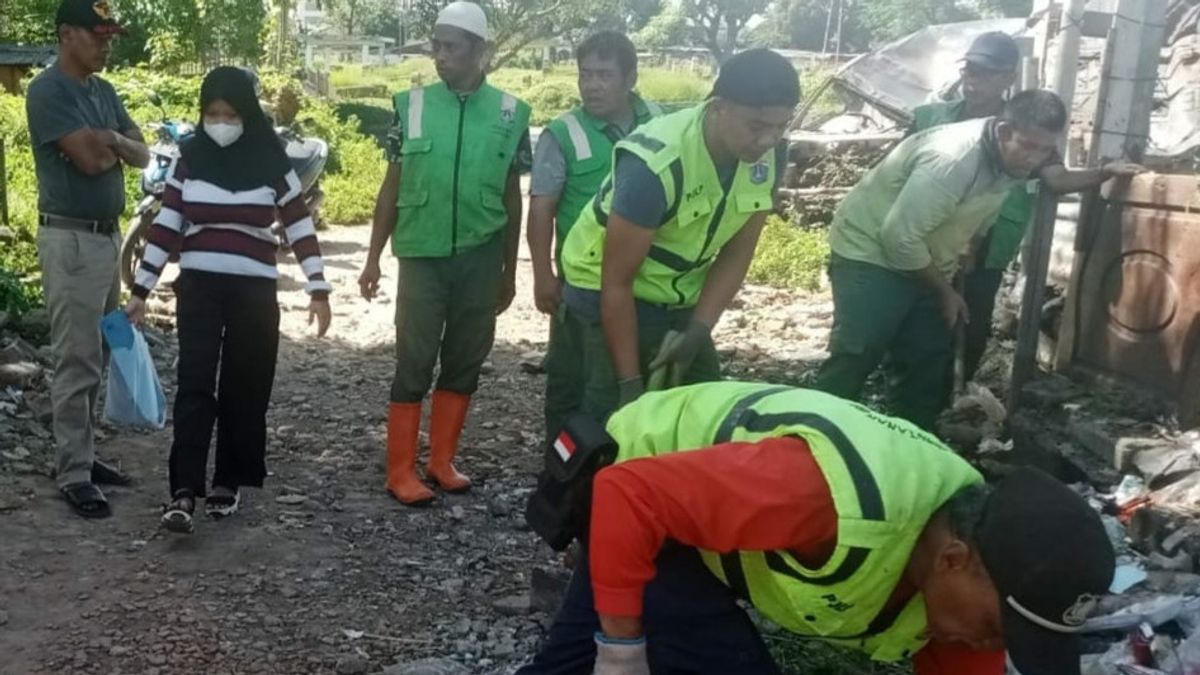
pixel 759 172
pixel 836 604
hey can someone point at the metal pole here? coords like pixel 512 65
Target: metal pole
pixel 1063 81
pixel 828 27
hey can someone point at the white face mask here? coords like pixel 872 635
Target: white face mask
pixel 223 134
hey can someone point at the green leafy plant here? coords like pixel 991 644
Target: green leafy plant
pixel 790 256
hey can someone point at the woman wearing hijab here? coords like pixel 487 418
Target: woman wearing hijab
pixel 231 182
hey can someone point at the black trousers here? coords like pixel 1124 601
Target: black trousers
pixel 229 325
pixel 692 621
pixel 979 292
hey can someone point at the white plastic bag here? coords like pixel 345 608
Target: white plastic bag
pixel 135 396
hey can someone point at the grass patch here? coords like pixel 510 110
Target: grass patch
pixel 790 256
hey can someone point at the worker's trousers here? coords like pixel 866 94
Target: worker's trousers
pixel 880 313
pixel 979 290
pixel 446 315
pixel 564 371
pixel 692 623
pixel 600 390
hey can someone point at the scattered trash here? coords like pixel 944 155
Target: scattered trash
pixel 1126 577
pixel 1155 611
pixel 1131 488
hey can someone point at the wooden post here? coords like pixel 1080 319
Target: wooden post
pixel 1038 244
pixel 1121 129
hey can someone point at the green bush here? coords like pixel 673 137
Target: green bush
pixel 789 256
pixel 549 100
pixel 375 116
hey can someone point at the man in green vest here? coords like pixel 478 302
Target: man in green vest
pixel 656 257
pixel 451 205
pixel 570 162
pixel 989 71
pixel 836 523
pixel 897 241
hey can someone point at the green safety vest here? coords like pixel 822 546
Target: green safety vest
pixel 455 161
pixel 1004 239
pixel 887 478
pixel 701 217
pixel 588 150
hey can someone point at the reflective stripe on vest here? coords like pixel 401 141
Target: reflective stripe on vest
pixel 416 111
pixel 579 139
pixel 886 477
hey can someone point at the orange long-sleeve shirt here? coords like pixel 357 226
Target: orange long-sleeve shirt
pixel 764 496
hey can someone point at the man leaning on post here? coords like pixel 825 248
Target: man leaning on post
pixel 451 206
pixel 989 70
pixel 82 137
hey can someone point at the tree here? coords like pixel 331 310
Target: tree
pixel 27 21
pixel 813 25
pixel 365 17
pixel 717 24
pixel 515 24
pixel 892 19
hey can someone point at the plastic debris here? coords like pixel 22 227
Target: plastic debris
pixel 1126 577
pixel 1131 488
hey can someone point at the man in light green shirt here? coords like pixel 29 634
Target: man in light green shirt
pixel 897 240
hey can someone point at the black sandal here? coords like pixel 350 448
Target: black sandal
pixel 86 500
pixel 177 516
pixel 220 506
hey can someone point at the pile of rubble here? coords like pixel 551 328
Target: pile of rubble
pixel 26 444
pixel 821 174
pixel 1123 450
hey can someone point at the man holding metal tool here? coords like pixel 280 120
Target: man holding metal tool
pixel 656 257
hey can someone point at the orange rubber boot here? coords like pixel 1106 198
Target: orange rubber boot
pixel 449 414
pixel 404 425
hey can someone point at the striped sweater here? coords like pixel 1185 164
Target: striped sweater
pixel 230 232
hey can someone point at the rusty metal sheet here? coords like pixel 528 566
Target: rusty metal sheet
pixel 1140 291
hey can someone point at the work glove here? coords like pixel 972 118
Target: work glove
pixel 675 355
pixel 629 390
pixel 620 657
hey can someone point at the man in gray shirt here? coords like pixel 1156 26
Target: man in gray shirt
pixel 81 136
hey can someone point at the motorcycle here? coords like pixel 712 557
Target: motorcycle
pixel 308 156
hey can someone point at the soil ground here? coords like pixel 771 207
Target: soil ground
pixel 321 571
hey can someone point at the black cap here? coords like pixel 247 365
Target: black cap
pixel 994 51
pixel 1051 560
pixel 758 78
pixel 94 14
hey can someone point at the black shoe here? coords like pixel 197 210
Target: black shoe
pixel 177 516
pixel 107 474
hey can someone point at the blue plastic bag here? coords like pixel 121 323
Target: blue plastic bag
pixel 135 396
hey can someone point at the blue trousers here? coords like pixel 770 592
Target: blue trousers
pixel 692 622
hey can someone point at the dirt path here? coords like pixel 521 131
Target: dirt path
pixel 321 572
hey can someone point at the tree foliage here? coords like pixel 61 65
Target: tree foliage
pixel 27 21
pixel 718 24
pixel 813 25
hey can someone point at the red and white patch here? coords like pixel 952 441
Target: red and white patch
pixel 564 446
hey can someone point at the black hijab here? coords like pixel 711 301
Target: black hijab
pixel 256 159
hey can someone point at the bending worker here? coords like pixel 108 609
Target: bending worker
pixel 660 252
pixel 808 507
pixel 451 205
pixel 569 164
pixel 989 71
pixel 897 239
